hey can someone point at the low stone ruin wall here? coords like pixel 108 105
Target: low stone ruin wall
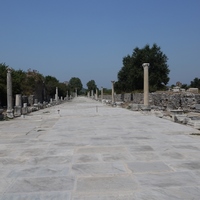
pixel 168 100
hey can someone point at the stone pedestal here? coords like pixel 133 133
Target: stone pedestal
pixel 9 95
pixel 31 100
pixel 146 83
pixel 36 104
pixel 24 109
pixel 113 92
pixel 18 105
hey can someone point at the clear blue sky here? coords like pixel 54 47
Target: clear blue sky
pixel 89 38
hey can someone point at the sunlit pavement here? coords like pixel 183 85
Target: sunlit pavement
pixel 90 151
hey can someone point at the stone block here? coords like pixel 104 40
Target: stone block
pixel 193 90
pixel 148 167
pixel 177 112
pixel 197 107
pixel 17 111
pixel 24 110
pixel 37 184
pixel 134 107
pixel 197 124
pixel 166 180
pixel 106 184
pixel 31 100
pixel 145 108
pixel 179 118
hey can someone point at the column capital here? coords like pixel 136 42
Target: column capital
pixel 145 65
pixel 113 82
pixel 9 70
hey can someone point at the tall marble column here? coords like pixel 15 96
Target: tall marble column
pixel 101 93
pixel 76 92
pixel 56 96
pixel 67 96
pixel 113 91
pixel 146 83
pixel 92 94
pixel 96 94
pixel 9 94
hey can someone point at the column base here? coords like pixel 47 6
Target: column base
pixel 9 114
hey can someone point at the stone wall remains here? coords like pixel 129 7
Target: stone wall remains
pixel 168 100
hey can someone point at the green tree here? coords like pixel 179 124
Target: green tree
pixel 62 89
pixel 50 86
pixel 36 84
pixel 75 83
pixel 195 83
pixel 130 77
pixel 91 85
pixel 185 86
pixel 107 91
pixel 3 82
pixel 19 79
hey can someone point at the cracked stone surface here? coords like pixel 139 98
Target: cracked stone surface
pixel 112 154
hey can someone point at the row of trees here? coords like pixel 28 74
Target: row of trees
pixel 34 83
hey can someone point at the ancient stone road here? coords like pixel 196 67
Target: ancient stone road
pixel 90 151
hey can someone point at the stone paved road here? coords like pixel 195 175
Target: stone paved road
pixel 94 152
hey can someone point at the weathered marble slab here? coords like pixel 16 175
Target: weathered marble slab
pixel 116 157
pixel 185 165
pixel 187 147
pixel 99 168
pixel 25 185
pixel 50 160
pixel 148 167
pixel 117 196
pixel 39 171
pixel 5 184
pixel 38 196
pixel 105 149
pixel 144 156
pixel 141 148
pixel 59 152
pixel 87 158
pixel 163 180
pixel 105 184
pixel 8 161
pixel 172 193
